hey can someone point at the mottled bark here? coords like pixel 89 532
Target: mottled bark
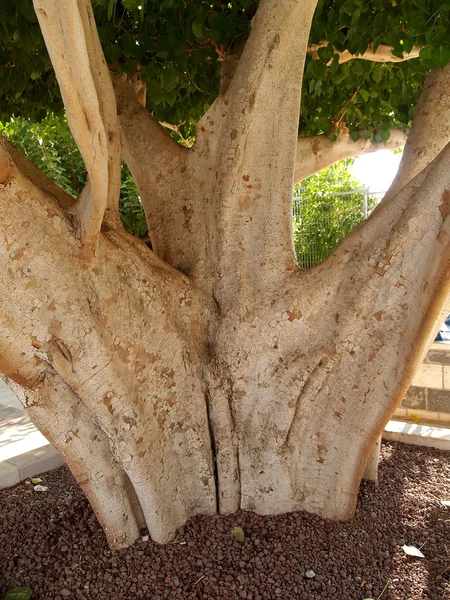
pixel 214 374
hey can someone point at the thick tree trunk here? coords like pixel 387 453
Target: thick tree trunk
pixel 214 374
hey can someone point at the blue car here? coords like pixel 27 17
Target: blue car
pixel 444 331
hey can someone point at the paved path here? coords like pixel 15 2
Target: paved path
pixel 24 451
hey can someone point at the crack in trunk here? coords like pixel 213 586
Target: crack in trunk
pixel 213 447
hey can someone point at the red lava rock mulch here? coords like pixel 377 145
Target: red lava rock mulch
pixel 51 542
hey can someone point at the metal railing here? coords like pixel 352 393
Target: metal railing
pixel 321 221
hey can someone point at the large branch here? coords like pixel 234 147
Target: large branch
pixel 430 131
pixel 252 129
pixel 382 54
pixel 158 165
pixel 70 33
pixel 318 152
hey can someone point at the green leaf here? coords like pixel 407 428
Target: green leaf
pixel 238 533
pixel 111 9
pixel 355 135
pixel 333 137
pixel 26 8
pixel 170 78
pixel 425 53
pixel 326 53
pixel 377 75
pixel 441 56
pixel 112 52
pixel 128 67
pixel 128 44
pixel 21 593
pixel 364 95
pixel 198 29
pixel 154 92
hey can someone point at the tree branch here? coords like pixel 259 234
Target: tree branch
pixel 430 131
pixel 318 152
pixel 382 54
pixel 12 161
pixel 71 37
pixel 252 128
pixel 157 163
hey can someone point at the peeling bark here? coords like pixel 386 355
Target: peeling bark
pixel 70 33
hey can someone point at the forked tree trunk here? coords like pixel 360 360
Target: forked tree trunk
pixel 213 374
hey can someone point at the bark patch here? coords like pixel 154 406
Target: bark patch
pixel 294 315
pixel 445 204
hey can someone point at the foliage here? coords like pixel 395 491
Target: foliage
pixel 51 147
pixel 324 213
pixel 177 47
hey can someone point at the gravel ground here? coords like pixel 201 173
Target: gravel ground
pixel 51 542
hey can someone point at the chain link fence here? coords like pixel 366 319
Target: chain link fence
pixel 321 221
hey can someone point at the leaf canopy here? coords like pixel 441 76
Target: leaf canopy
pixel 177 46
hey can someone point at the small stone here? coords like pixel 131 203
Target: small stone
pixel 310 574
pixel 40 488
pixel 65 592
pixel 145 538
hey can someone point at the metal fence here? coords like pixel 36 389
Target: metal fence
pixel 321 221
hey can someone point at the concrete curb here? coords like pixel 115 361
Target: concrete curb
pixel 419 435
pixel 31 463
pixel 45 458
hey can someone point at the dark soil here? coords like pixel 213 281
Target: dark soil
pixel 51 542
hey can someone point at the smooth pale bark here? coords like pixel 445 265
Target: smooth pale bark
pixel 248 383
pixel 318 152
pixel 430 131
pixel 123 334
pixel 371 469
pixel 72 41
pixel 63 418
pixel 382 54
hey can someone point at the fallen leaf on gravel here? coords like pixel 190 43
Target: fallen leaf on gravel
pixel 40 488
pixel 414 418
pixel 445 502
pixel 412 551
pixel 238 533
pixel 36 480
pixel 22 593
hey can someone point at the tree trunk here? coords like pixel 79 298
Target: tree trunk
pixel 213 374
